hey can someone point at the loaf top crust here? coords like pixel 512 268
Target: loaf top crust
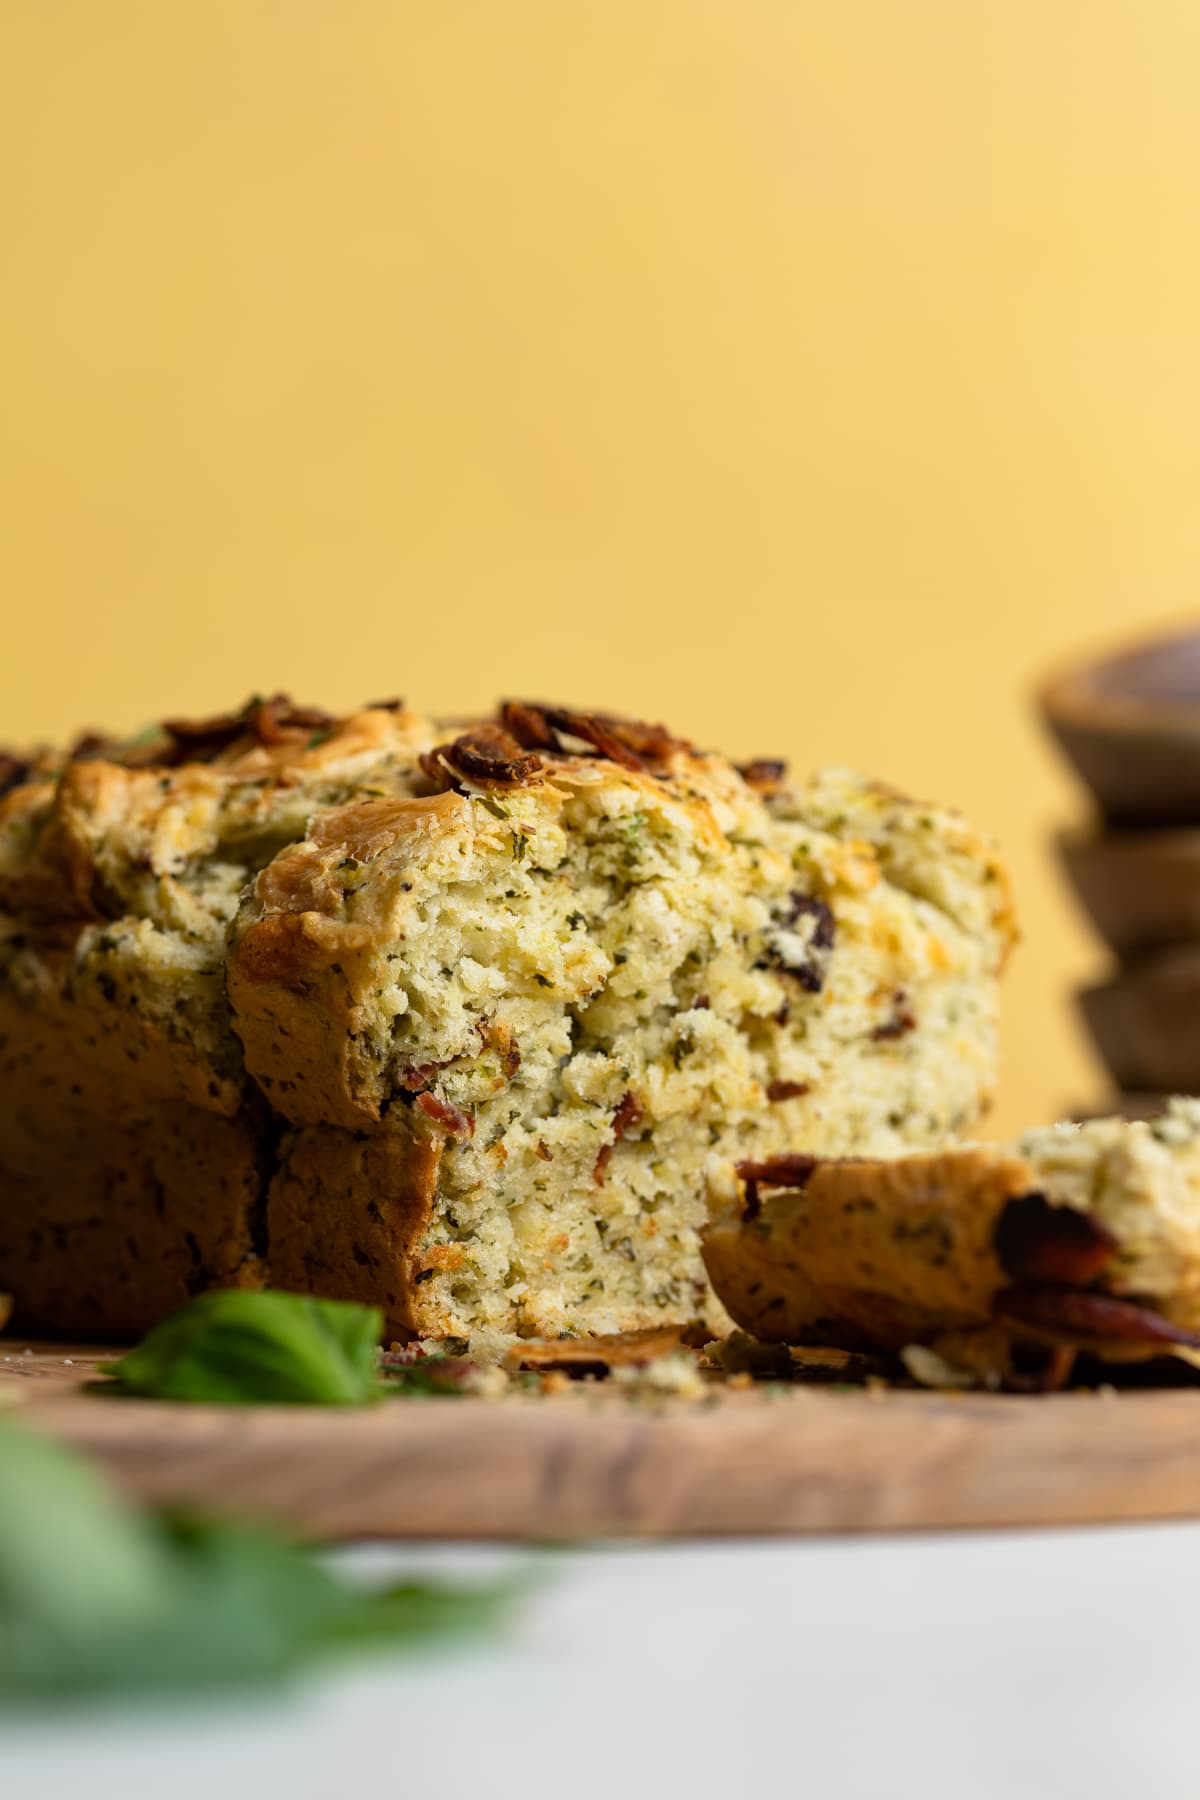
pixel 123 865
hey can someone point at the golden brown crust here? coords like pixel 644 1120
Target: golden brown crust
pixel 345 1216
pixel 113 1211
pixel 869 1253
pixel 111 1233
pixel 59 1048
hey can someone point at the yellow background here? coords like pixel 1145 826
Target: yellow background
pixel 809 374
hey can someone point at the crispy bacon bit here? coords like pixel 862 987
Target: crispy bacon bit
pixel 485 756
pixel 651 741
pixel 593 730
pixel 776 1172
pixel 270 722
pixel 543 1150
pixel 90 745
pixel 792 1171
pixel 149 750
pixel 278 720
pixel 1038 1243
pixel 200 738
pixel 453 1121
pixel 626 1116
pixel 765 774
pixel 596 1356
pixel 787 1090
pixel 902 1021
pixel 1083 1315
pixel 810 970
pixel 384 706
pixel 629 742
pixel 417 1077
pixel 529 725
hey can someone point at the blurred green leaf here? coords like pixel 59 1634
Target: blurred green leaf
pixel 98 1599
pixel 270 1348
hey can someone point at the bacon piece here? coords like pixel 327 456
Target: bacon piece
pixel 529 725
pixel 902 1021
pixel 594 731
pixel 453 1121
pixel 791 1171
pixel 765 774
pixel 1083 1315
pixel 417 1077
pixel 194 740
pixel 643 739
pixel 787 1090
pixel 278 720
pixel 595 1356
pixel 147 751
pixel 1038 1243
pixel 273 721
pixel 626 1116
pixel 89 746
pixel 631 743
pixel 486 756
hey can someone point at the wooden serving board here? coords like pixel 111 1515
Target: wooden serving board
pixel 594 1463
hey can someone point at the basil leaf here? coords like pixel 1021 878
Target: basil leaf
pixel 73 1563
pixel 238 1348
pixel 104 1601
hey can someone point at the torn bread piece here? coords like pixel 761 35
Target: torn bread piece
pixel 1003 1261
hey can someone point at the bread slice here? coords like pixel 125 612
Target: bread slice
pixel 470 1009
pixel 1076 1237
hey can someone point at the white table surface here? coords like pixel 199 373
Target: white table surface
pixel 1011 1666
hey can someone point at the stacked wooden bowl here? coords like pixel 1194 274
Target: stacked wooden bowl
pixel 1130 725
